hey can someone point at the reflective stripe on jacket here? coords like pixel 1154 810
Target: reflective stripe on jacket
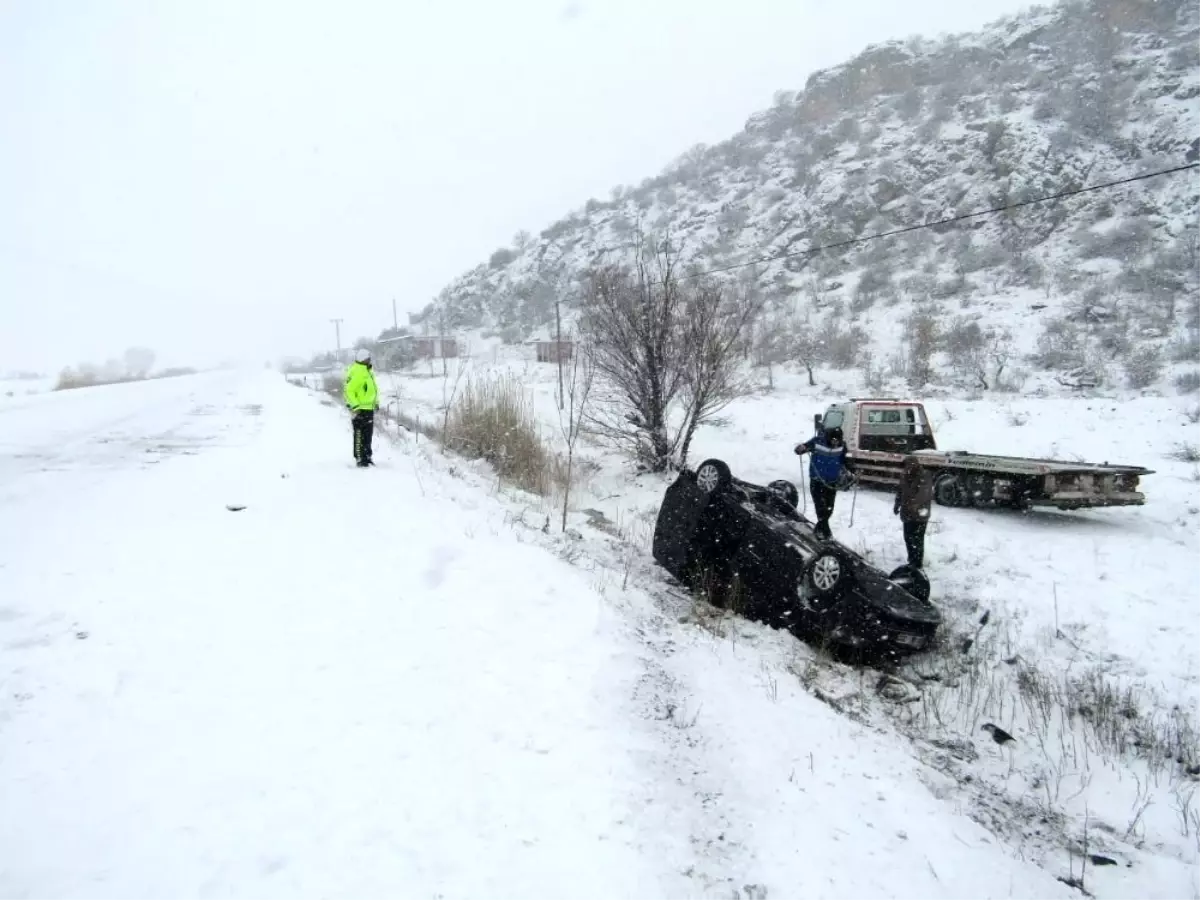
pixel 825 463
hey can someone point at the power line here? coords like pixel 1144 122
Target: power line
pixel 948 221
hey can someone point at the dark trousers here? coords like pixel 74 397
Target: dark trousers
pixel 824 496
pixel 914 543
pixel 363 423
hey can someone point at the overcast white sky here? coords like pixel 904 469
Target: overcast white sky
pixel 219 178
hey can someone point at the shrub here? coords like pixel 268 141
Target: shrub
pixel 1188 382
pixel 69 379
pixel 332 385
pixel 1185 452
pixel 501 258
pixel 1186 349
pixel 1125 240
pixel 962 338
pixel 493 420
pixel 1059 346
pixel 512 334
pixel 987 256
pixel 1144 366
pixel 1012 382
pixel 841 347
pixel 874 282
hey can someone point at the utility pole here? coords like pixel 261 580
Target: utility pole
pixel 558 347
pixel 337 331
pixel 395 320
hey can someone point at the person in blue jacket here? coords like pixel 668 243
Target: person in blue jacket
pixel 827 462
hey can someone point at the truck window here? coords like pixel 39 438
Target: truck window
pixel 893 429
pixel 833 419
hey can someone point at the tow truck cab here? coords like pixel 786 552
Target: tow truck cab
pixel 887 429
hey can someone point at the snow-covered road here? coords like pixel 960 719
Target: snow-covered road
pixel 373 683
pixel 316 695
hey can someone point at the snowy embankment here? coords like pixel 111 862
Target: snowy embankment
pixel 1091 651
pixel 384 683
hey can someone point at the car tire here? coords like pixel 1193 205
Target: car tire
pixel 912 580
pixel 787 490
pixel 713 476
pixel 825 577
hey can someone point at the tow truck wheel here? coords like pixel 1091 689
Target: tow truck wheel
pixel 948 490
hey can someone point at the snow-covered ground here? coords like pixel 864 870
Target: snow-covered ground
pixel 1091 654
pixel 391 682
pixel 12 388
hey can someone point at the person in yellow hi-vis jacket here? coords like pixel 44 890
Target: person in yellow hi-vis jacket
pixel 362 396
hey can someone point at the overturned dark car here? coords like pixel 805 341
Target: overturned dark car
pixel 749 548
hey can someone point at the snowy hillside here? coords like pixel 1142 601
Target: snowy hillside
pixel 916 131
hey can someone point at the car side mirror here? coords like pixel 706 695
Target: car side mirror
pixel 816 421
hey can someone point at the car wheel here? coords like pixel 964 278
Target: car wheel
pixel 786 490
pixel 824 577
pixel 948 490
pixel 912 580
pixel 713 476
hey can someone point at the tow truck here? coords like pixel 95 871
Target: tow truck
pixel 881 433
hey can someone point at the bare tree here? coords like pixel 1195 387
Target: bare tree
pixel 921 338
pixel 771 345
pixel 716 321
pixel 805 345
pixel 782 335
pixel 978 354
pixel 572 416
pixel 631 327
pixel 666 352
pixel 965 344
pixel 807 351
pixel 1000 351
